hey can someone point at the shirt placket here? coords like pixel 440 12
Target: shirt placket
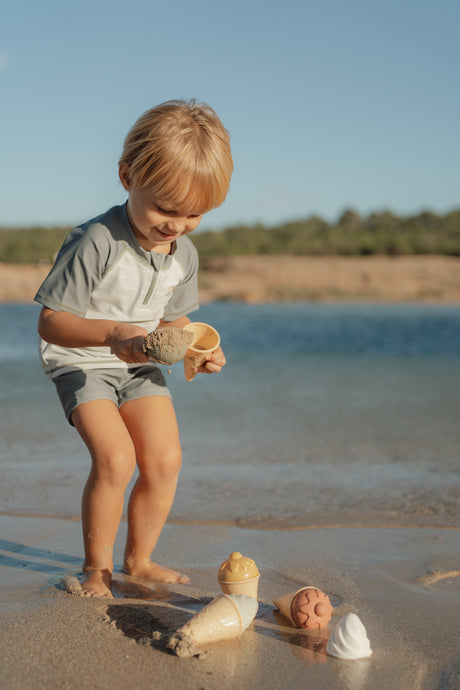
pixel 156 263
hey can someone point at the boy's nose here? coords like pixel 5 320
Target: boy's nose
pixel 177 225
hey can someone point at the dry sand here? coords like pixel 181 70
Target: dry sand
pixel 333 278
pixel 271 278
pixel 401 582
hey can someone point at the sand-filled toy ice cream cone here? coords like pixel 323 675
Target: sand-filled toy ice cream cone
pixel 349 639
pixel 167 345
pixel 204 342
pixel 225 618
pixel 239 575
pixel 307 608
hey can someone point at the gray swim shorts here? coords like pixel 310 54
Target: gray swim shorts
pixel 118 385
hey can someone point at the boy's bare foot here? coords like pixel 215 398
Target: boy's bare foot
pixel 153 571
pixel 97 583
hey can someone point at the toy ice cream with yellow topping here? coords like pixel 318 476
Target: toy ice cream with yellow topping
pixel 239 575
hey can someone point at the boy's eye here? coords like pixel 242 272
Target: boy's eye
pixel 164 211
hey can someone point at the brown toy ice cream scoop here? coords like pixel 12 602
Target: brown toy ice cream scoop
pixel 167 345
pixel 239 575
pixel 307 608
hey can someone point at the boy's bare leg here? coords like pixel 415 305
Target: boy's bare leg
pixel 113 462
pixel 152 424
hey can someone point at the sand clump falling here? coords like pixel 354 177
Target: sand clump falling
pixel 167 345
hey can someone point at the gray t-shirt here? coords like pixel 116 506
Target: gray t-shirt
pixel 101 272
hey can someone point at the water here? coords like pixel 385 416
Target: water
pixel 324 414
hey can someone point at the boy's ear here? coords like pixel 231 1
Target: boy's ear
pixel 123 174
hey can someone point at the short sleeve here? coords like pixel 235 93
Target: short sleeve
pixel 77 270
pixel 185 296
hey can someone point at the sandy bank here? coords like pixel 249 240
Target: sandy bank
pixel 283 278
pixel 333 278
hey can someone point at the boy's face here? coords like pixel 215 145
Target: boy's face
pixel 155 226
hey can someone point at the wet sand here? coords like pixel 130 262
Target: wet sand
pixel 254 279
pixel 403 584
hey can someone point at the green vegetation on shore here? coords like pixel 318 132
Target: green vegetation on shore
pixel 382 233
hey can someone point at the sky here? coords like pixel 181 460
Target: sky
pixel 331 104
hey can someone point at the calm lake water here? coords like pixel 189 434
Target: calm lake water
pixel 324 414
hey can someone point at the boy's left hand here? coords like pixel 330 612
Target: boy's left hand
pixel 215 362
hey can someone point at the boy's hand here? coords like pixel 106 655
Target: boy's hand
pixel 215 362
pixel 125 341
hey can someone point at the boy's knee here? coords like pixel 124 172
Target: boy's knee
pixel 116 469
pixel 170 463
pixel 166 466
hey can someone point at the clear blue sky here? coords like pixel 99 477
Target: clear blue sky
pixel 331 104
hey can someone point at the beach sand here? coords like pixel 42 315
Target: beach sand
pixel 402 582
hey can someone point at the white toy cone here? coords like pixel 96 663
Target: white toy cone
pixel 205 341
pixel 225 618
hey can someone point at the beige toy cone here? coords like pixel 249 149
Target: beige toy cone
pixel 283 603
pixel 225 618
pixel 307 608
pixel 205 341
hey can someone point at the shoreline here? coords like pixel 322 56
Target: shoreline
pixel 267 526
pixel 260 527
pixel 259 279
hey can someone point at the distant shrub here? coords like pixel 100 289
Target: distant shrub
pixel 381 233
pixel 30 245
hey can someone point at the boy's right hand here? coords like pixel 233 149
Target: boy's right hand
pixel 125 341
pixel 69 330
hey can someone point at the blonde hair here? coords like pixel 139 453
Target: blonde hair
pixel 181 151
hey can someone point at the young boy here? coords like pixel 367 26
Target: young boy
pixel 116 278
